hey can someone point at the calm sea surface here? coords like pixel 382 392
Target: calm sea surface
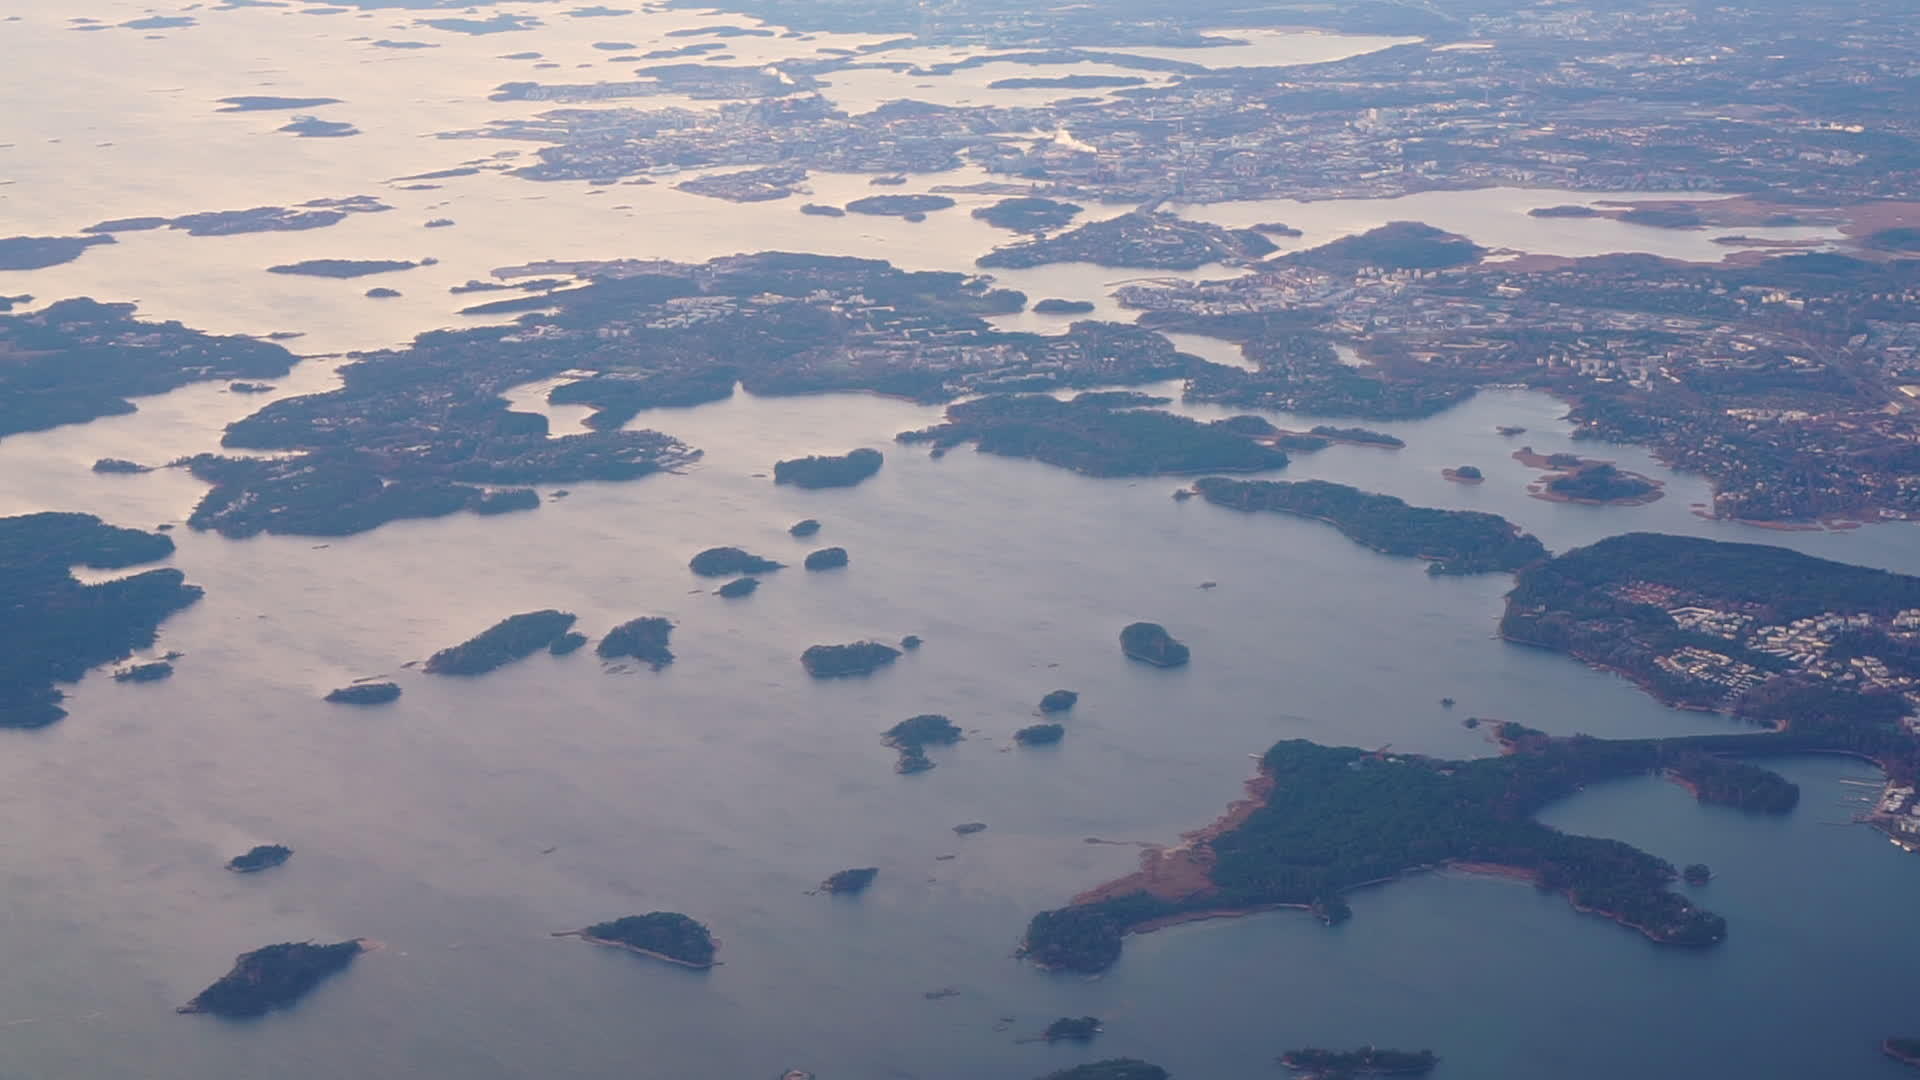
pixel 462 825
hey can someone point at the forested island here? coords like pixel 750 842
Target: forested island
pixel 737 588
pixel 342 268
pixel 1029 213
pixel 261 857
pixel 1314 1063
pixel 1112 1069
pixel 663 935
pixel 1072 1028
pixel 513 638
pixel 912 736
pixel 272 978
pixel 1599 483
pixel 79 360
pixel 827 471
pixel 730 562
pixel 1159 240
pixel 1093 437
pixel 858 658
pixel 1454 541
pixel 644 639
pixel 371 693
pixel 832 558
pixel 1058 701
pixel 151 671
pixel 850 882
pixel 803 528
pixel 1150 643
pixel 1322 820
pixel 899 205
pixel 1057 306
pixel 1357 435
pixel 1040 734
pixel 56 627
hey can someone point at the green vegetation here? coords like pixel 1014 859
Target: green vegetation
pixel 1318 1064
pixel 1737 784
pixel 263 857
pixel 1040 734
pixel 858 658
pixel 644 639
pixel 913 735
pixel 272 978
pixel 1456 541
pixel 848 882
pixel 373 693
pixel 1089 435
pixel 70 362
pixel 1029 214
pixel 56 628
pixel 1150 643
pixel 1397 245
pixel 515 637
pixel 1600 482
pixel 730 562
pixel 668 935
pixel 1059 701
pixel 1333 819
pixel 826 471
pixel 832 558
pixel 1361 435
pixel 1112 1069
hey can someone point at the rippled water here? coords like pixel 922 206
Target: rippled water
pixel 729 784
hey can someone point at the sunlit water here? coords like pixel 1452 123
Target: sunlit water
pixel 729 784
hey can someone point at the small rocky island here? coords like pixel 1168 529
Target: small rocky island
pixel 803 529
pixel 342 268
pixel 730 562
pixel 1150 643
pixel 738 587
pixel 370 693
pixel 644 639
pixel 273 978
pixel 913 735
pixel 858 658
pixel 513 638
pixel 1464 474
pixel 1112 1069
pixel 1059 701
pixel 152 671
pixel 263 857
pixel 826 471
pixel 850 882
pixel 1040 734
pixel 1904 1051
pixel 832 558
pixel 663 935
pixel 1074 1028
pixel 1313 1063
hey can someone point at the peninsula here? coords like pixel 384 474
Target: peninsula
pixel 58 628
pixel 1453 541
